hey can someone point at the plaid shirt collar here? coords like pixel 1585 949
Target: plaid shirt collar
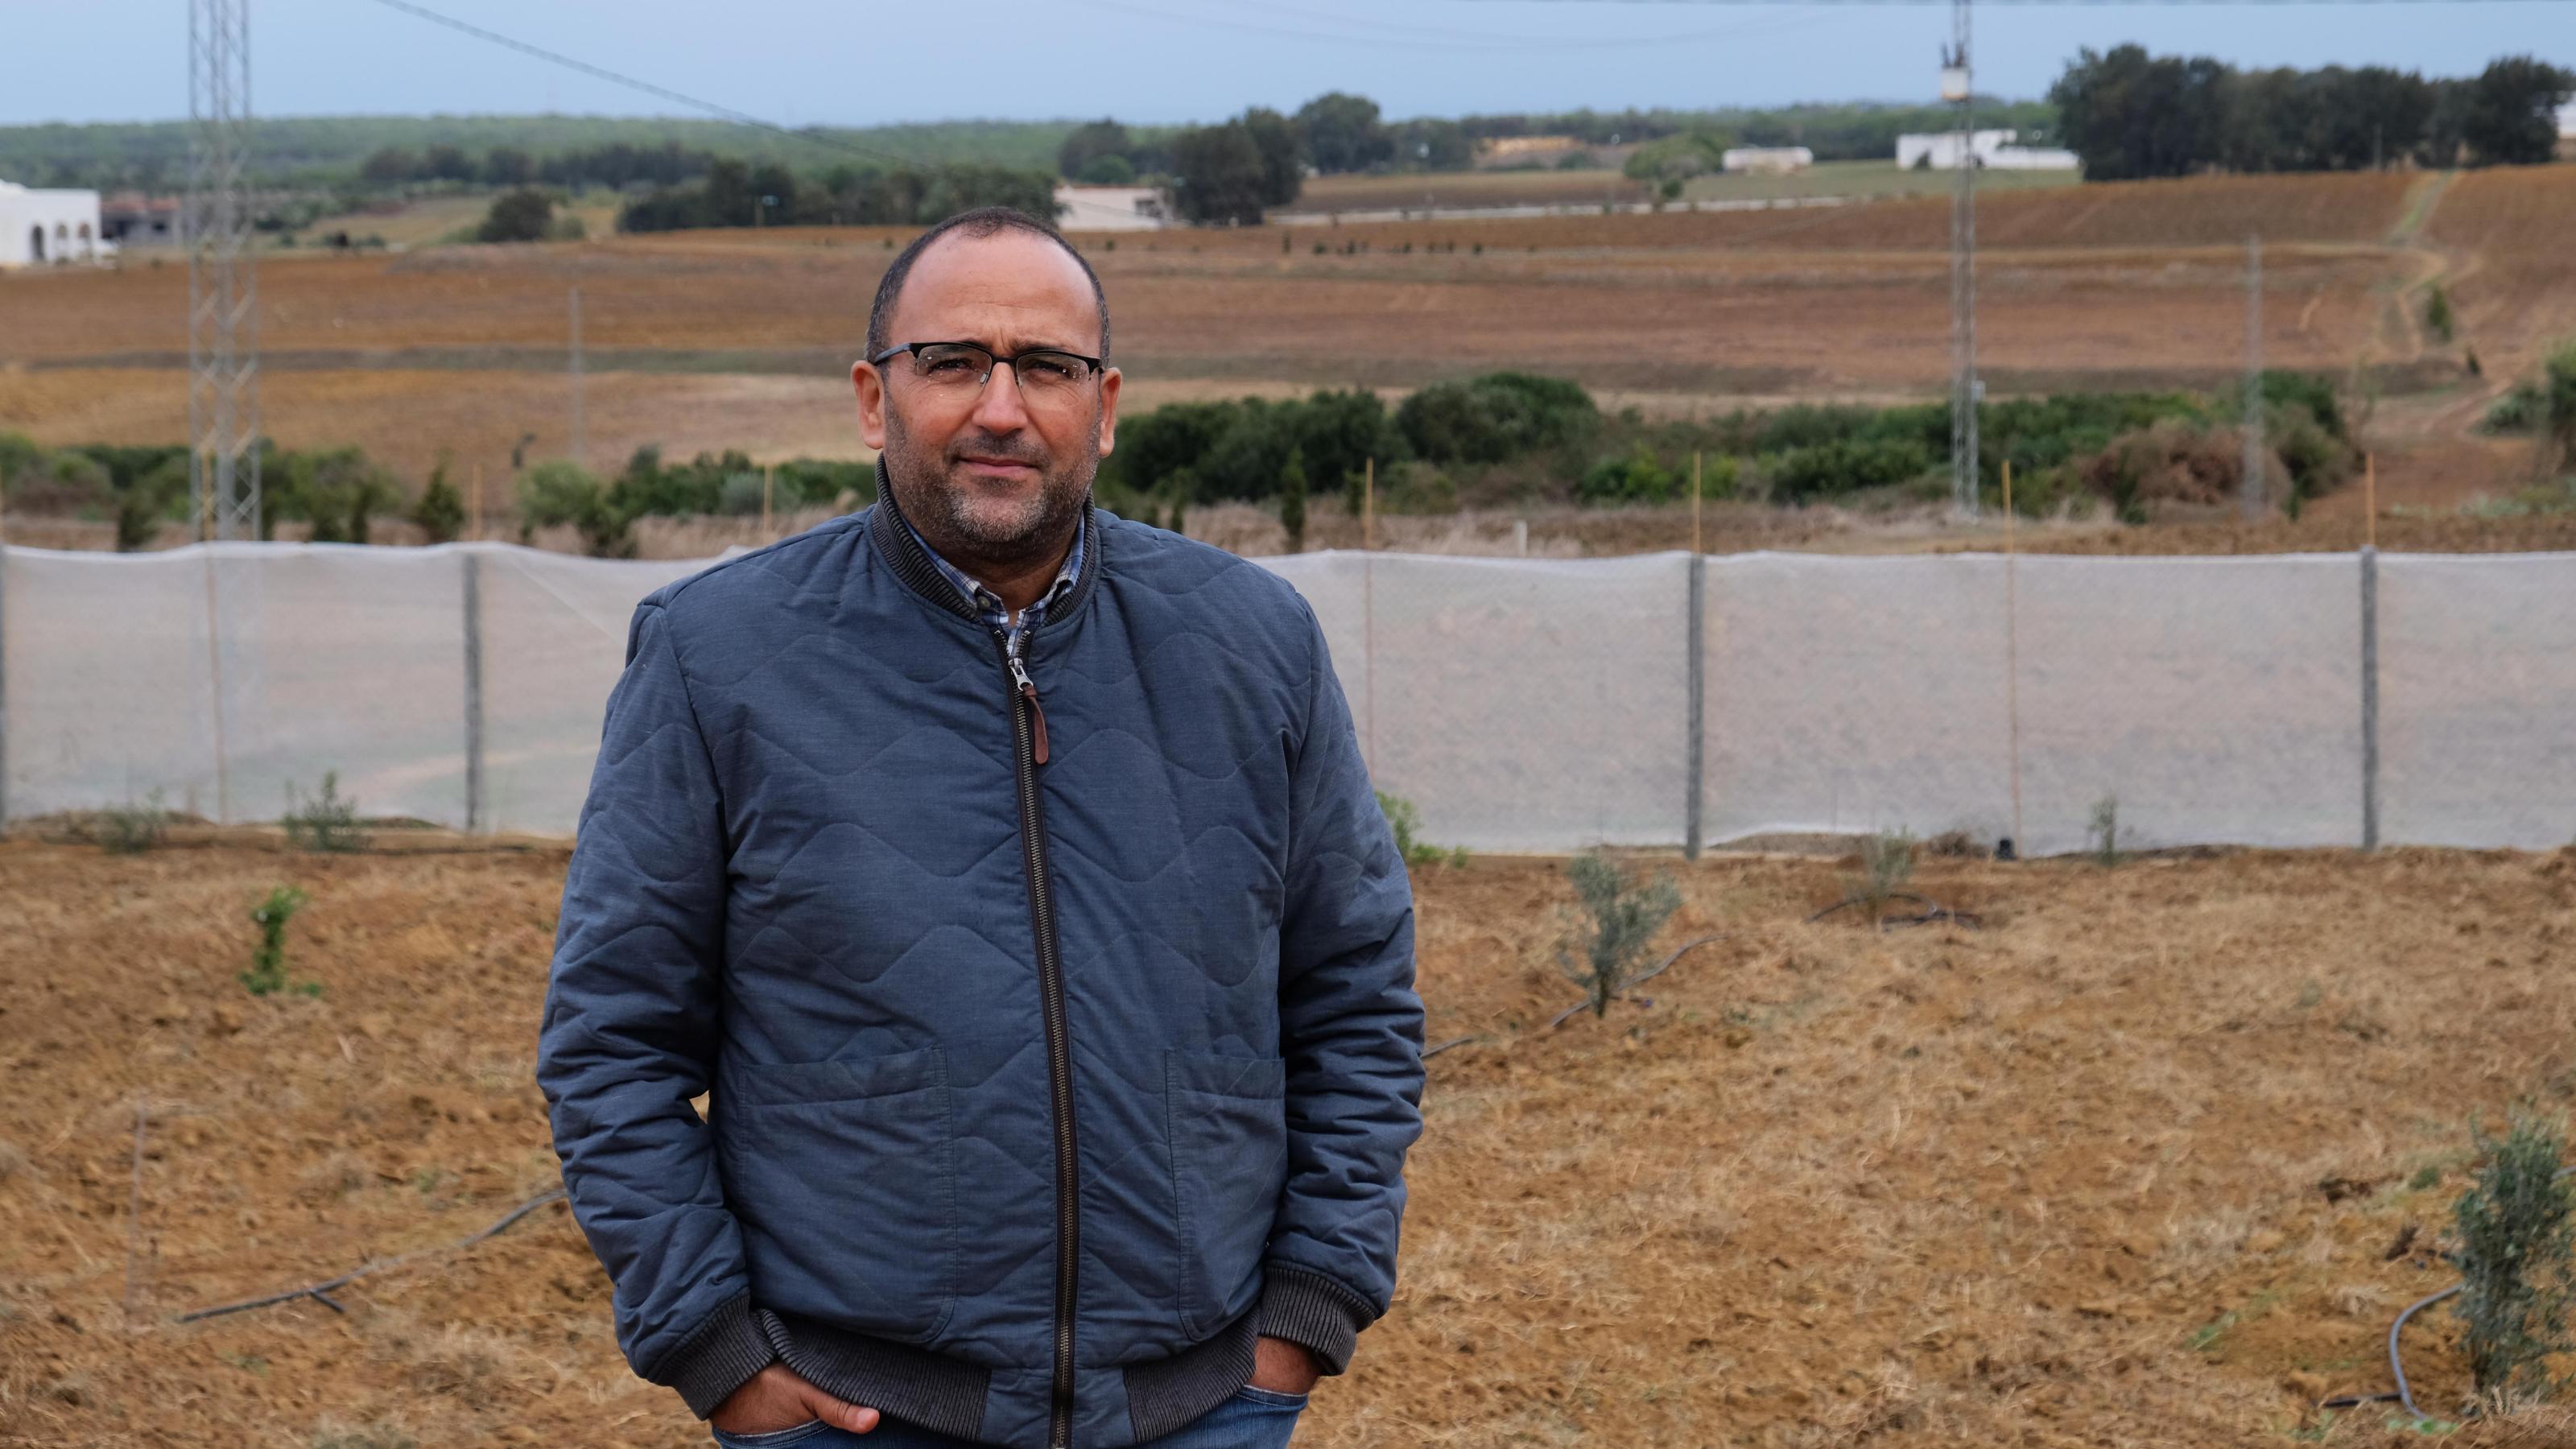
pixel 996 614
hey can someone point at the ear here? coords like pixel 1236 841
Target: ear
pixel 1108 410
pixel 870 385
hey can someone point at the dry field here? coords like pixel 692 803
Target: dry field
pixel 1581 187
pixel 2148 1157
pixel 707 340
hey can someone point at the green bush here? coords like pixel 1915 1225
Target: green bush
pixel 1800 474
pixel 522 215
pixel 1633 477
pixel 267 973
pixel 559 491
pixel 1239 449
pixel 440 513
pixel 742 494
pixel 1292 500
pixel 327 823
pixel 131 828
pixel 2516 1230
pixel 1406 823
pixel 2516 411
pixel 336 492
pixel 1497 416
pixel 1620 916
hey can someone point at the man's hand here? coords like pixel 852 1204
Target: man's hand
pixel 776 1398
pixel 1283 1367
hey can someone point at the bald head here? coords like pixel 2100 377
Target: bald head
pixel 982 223
pixel 995 471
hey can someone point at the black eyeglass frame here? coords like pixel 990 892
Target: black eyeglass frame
pixel 1097 365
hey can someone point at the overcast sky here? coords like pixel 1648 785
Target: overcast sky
pixel 863 62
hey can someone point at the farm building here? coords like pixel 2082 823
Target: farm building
pixel 1110 208
pixel 130 218
pixel 1993 150
pixel 48 226
pixel 2567 130
pixel 1768 158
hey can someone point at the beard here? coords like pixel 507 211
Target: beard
pixel 968 520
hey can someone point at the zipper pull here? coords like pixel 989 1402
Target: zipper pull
pixel 1029 692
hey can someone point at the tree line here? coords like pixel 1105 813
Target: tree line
pixel 732 193
pixel 2130 115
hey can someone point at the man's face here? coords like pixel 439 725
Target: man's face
pixel 996 474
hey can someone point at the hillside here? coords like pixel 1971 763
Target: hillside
pixel 320 149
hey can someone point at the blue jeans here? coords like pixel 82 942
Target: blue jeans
pixel 1255 1418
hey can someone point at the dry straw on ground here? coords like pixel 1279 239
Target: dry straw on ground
pixel 2123 1166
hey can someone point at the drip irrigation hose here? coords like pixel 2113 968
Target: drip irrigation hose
pixel 2405 1393
pixel 321 1292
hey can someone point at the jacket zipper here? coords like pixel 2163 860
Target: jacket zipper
pixel 1028 730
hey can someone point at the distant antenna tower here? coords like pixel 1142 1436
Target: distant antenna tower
pixel 1956 82
pixel 223 327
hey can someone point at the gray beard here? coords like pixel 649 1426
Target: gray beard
pixel 963 539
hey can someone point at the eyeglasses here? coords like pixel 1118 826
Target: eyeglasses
pixel 1046 374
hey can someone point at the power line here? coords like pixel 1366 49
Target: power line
pixel 2036 4
pixel 725 113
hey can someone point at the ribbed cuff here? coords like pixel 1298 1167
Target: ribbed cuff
pixel 718 1357
pixel 1307 1308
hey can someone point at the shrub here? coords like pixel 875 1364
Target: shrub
pixel 326 823
pixel 523 215
pixel 741 493
pixel 2515 1233
pixel 1635 477
pixel 1402 819
pixel 2104 831
pixel 1623 916
pixel 1240 449
pixel 1292 500
pixel 1886 864
pixel 560 491
pixel 131 829
pixel 337 492
pixel 2168 461
pixel 1494 417
pixel 1845 466
pixel 2437 312
pixel 2516 411
pixel 267 973
pixel 440 512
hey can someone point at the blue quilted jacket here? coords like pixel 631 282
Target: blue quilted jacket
pixel 1059 1033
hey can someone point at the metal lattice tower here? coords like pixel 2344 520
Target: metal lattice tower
pixel 1957 84
pixel 223 322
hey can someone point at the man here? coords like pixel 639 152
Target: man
pixel 1006 874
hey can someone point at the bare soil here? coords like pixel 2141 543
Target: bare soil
pixel 2150 1155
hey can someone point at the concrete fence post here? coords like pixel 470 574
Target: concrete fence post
pixel 2369 697
pixel 1695 748
pixel 474 822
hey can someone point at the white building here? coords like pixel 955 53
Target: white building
pixel 1110 208
pixel 49 226
pixel 1993 150
pixel 1767 158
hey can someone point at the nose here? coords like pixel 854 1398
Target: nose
pixel 999 407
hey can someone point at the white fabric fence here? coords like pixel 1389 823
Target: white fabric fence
pixel 1522 705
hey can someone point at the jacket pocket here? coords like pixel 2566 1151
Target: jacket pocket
pixel 843 1175
pixel 1228 1121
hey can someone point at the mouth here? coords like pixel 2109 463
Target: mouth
pixel 998 468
